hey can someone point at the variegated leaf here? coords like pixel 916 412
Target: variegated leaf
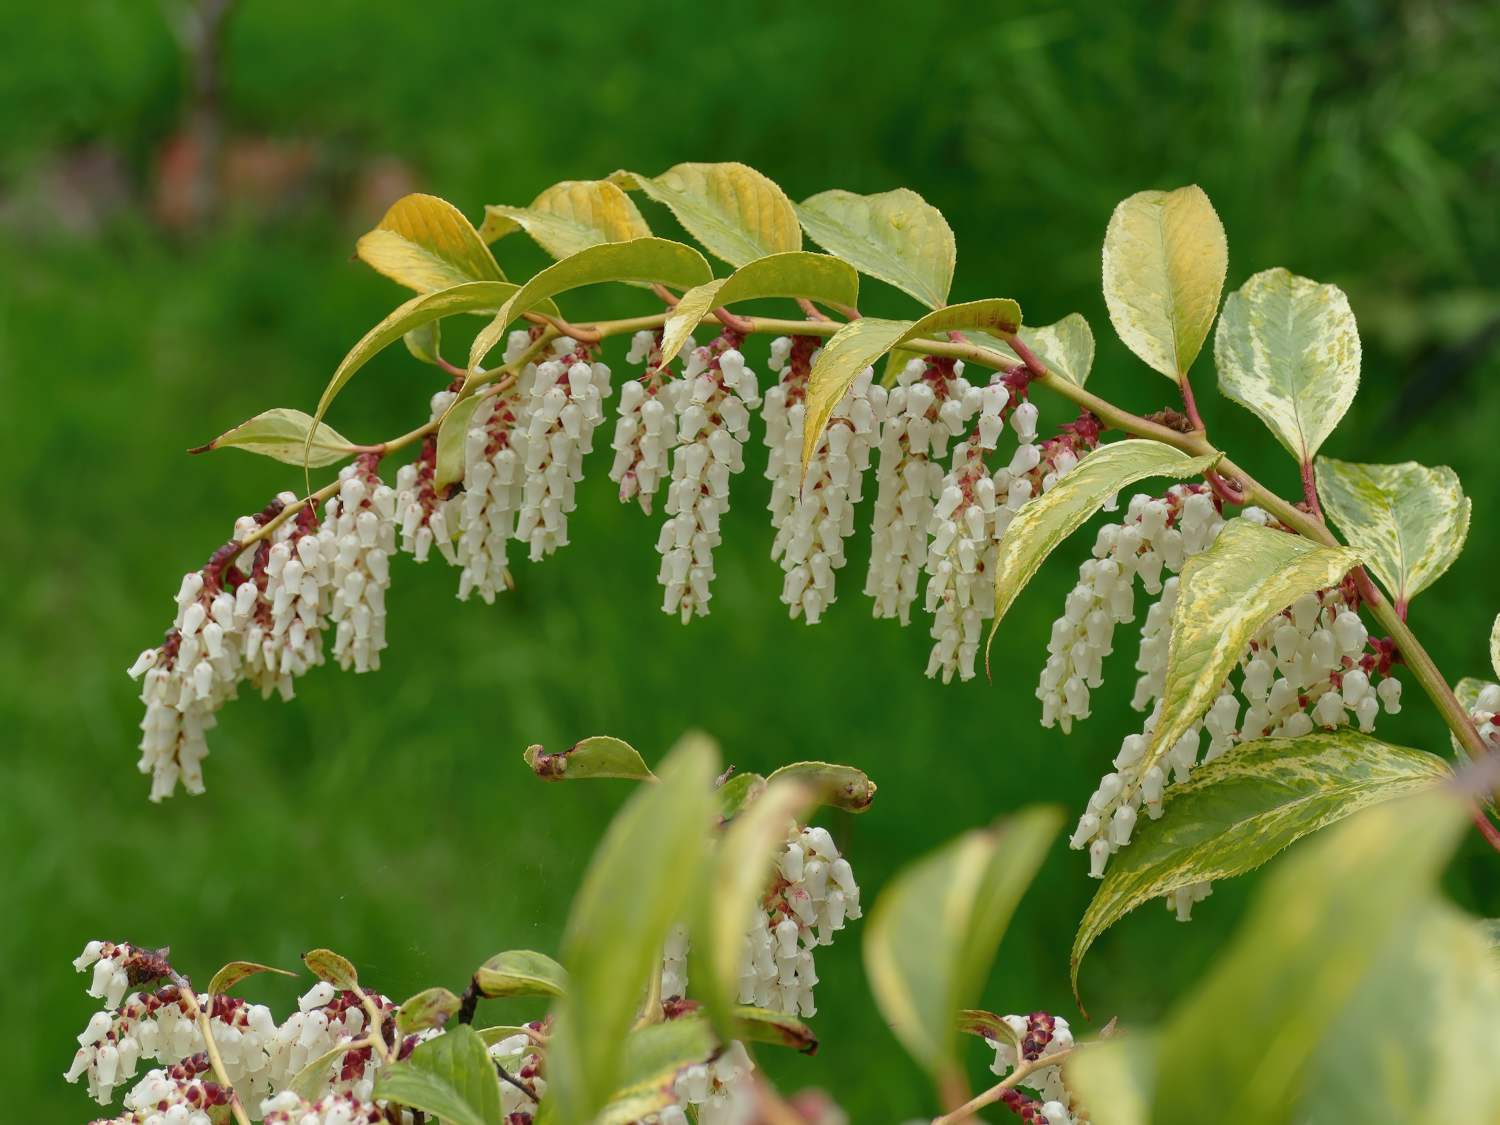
pixel 1409 522
pixel 736 212
pixel 1045 521
pixel 425 243
pixel 1164 261
pixel 896 236
pixel 1066 347
pixel 1224 596
pixel 1236 812
pixel 1287 350
pixel 569 217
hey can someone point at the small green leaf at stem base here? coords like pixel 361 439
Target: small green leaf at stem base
pixel 236 971
pixel 596 757
pixel 840 787
pixel 520 972
pixel 452 442
pixel 329 966
pixel 450 1077
pixel 432 1007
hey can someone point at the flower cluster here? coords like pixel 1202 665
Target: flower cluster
pixel 1037 1037
pixel 646 429
pixel 359 530
pixel 1486 714
pixel 718 1092
pixel 421 514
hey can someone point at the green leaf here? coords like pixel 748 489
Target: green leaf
pixel 425 342
pixel 640 259
pixel 569 217
pixel 896 236
pixel 425 243
pixel 452 442
pixel 1407 521
pixel 653 1057
pixel 758 1025
pixel 1236 1051
pixel 1165 256
pixel 284 435
pixel 1066 347
pixel 987 1025
pixel 840 787
pixel 1236 812
pixel 450 1077
pixel 1113 1079
pixel 817 277
pixel 520 972
pixel 492 1035
pixel 236 971
pixel 932 935
pixel 432 1007
pixel 639 882
pixel 1224 596
pixel 736 212
pixel 737 792
pixel 1287 350
pixel 599 756
pixel 327 965
pixel 1046 521
pixel 861 343
pixel 311 1082
pixel 1420 1039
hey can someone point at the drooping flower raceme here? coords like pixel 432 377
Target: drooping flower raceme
pixel 282 608
pixel 358 536
pixel 646 429
pixel 421 514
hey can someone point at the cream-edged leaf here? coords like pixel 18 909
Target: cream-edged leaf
pixel 1408 522
pixel 1165 256
pixel 1224 596
pixel 1236 812
pixel 1065 347
pixel 861 343
pixel 818 277
pixel 1287 350
pixel 736 212
pixel 285 435
pixel 598 756
pixel 569 217
pixel 425 243
pixel 896 236
pixel 1044 522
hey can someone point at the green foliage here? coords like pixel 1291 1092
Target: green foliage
pixel 896 236
pixel 735 211
pixel 599 756
pixel 841 787
pixel 285 435
pixel 450 1077
pixel 452 441
pixel 520 972
pixel 432 1007
pixel 332 967
pixel 236 971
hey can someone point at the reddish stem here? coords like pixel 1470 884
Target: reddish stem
pixel 1486 828
pixel 1190 404
pixel 1310 490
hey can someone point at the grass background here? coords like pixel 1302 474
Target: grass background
pixel 389 816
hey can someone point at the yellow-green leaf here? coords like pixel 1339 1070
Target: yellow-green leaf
pixel 450 1077
pixel 425 243
pixel 1408 522
pixel 332 967
pixel 599 756
pixel 932 935
pixel 896 236
pixel 312 1080
pixel 425 342
pixel 285 435
pixel 1046 521
pixel 638 884
pixel 569 217
pixel 452 442
pixel 1224 596
pixel 520 972
pixel 738 792
pixel 640 259
pixel 236 971
pixel 818 277
pixel 1113 1079
pixel 1164 261
pixel 1287 350
pixel 1066 347
pixel 1236 812
pixel 861 343
pixel 653 1057
pixel 1237 1050
pixel 736 212
pixel 432 1007
pixel 842 787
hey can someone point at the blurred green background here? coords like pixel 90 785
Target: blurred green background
pixel 389 816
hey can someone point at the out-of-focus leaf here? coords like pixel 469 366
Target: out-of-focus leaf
pixel 500 1032
pixel 284 435
pixel 569 217
pixel 327 965
pixel 841 787
pixel 1224 596
pixel 640 259
pixel 1495 646
pixel 736 212
pixel 777 1028
pixel 236 971
pixel 1239 810
pixel 452 442
pixel 425 243
pixel 737 792
pixel 861 343
pixel 653 1057
pixel 1113 1079
pixel 896 236
pixel 986 1025
pixel 450 1077
pixel 432 1007
pixel 1066 347
pixel 638 884
pixel 599 756
pixel 1287 350
pixel 1164 261
pixel 817 277
pixel 932 935
pixel 1046 521
pixel 521 972
pixel 1407 521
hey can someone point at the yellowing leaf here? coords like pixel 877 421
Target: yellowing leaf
pixel 861 343
pixel 329 966
pixel 1067 347
pixel 641 259
pixel 432 1007
pixel 569 217
pixel 1287 350
pixel 1224 596
pixel 450 1077
pixel 1236 812
pixel 425 243
pixel 452 442
pixel 1046 521
pixel 599 756
pixel 236 971
pixel 520 972
pixel 932 935
pixel 841 787
pixel 896 236
pixel 736 212
pixel 817 277
pixel 286 435
pixel 1407 521
pixel 1164 261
